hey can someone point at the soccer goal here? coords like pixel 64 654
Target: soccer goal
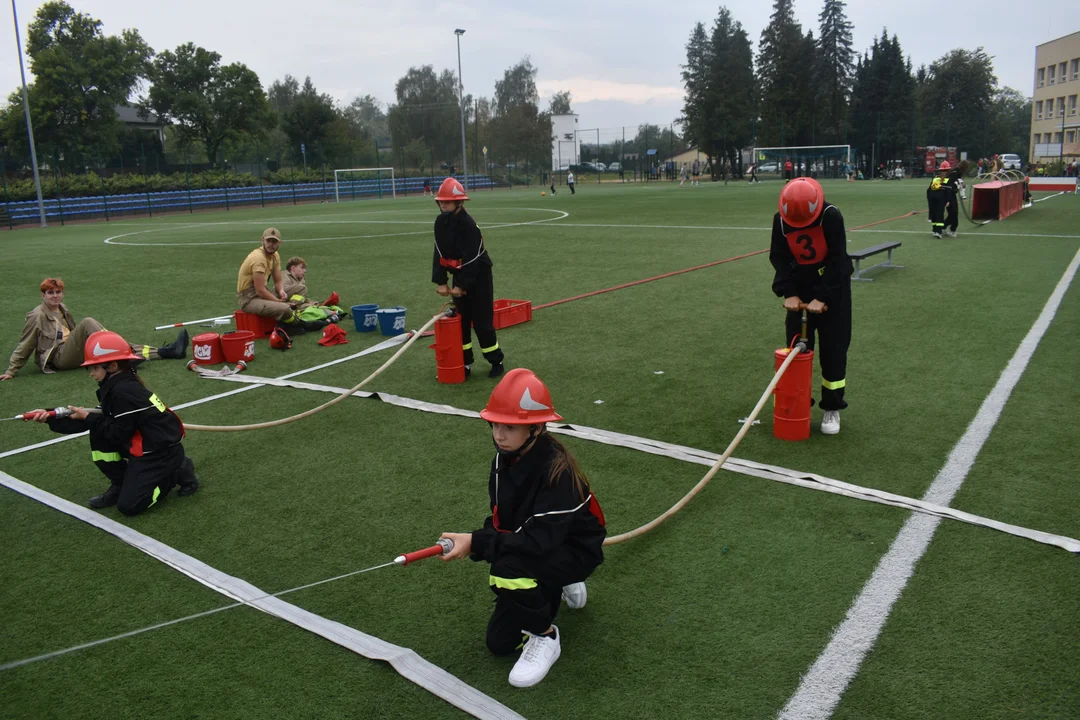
pixel 818 161
pixel 364 182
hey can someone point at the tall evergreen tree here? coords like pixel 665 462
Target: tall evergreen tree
pixel 782 60
pixel 696 75
pixel 834 73
pixel 882 105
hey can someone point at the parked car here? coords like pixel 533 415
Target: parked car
pixel 600 167
pixel 1009 161
pixel 768 167
pixel 614 167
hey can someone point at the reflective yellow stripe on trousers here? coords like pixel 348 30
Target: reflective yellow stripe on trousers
pixel 493 348
pixel 834 385
pixel 512 583
pixel 98 456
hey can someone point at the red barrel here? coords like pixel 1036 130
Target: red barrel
pixel 206 348
pixel 791 396
pixel 238 345
pixel 449 356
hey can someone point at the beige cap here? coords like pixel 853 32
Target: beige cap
pixel 271 233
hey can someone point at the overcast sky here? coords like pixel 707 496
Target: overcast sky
pixel 619 59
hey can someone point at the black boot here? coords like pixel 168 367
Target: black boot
pixel 496 370
pixel 105 499
pixel 177 349
pixel 314 325
pixel 186 478
pixel 292 328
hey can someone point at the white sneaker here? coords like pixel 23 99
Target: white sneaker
pixel 950 233
pixel 537 657
pixel 830 423
pixel 575 595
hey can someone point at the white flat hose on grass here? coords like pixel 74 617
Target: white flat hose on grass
pixel 325 405
pixel 719 463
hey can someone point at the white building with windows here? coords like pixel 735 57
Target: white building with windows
pixel 1055 118
pixel 565 145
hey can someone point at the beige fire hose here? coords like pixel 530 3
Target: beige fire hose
pixel 335 401
pixel 798 348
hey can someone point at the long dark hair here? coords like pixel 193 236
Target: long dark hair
pixel 564 462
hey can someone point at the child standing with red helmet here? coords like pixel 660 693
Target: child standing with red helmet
pixel 135 439
pixel 546 531
pixel 809 254
pixel 460 252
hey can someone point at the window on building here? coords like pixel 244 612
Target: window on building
pixel 1061 107
pixel 1042 76
pixel 1061 72
pixel 1052 68
pixel 1076 69
pixel 1072 105
pixel 1057 137
pixel 1038 109
pixel 1038 138
pixel 1070 136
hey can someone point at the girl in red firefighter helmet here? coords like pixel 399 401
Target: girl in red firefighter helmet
pixel 546 531
pixel 460 252
pixel 135 439
pixel 809 254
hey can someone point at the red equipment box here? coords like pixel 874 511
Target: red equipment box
pixel 261 326
pixel 512 312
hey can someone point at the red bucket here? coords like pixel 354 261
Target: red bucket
pixel 238 345
pixel 206 347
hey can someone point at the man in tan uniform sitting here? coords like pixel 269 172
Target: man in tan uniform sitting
pixel 252 293
pixel 56 341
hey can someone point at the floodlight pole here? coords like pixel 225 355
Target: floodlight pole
pixel 26 109
pixel 461 107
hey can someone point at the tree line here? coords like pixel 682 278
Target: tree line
pixel 218 114
pixel 802 89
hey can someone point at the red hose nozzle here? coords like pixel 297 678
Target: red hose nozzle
pixel 442 547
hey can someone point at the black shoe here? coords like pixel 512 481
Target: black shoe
pixel 186 478
pixel 105 499
pixel 496 370
pixel 177 349
pixel 314 325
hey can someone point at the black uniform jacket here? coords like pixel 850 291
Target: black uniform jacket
pixel 131 418
pixel 459 241
pixel 529 516
pixel 818 273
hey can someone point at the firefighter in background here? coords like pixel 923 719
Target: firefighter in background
pixel 460 252
pixel 809 254
pixel 546 531
pixel 953 183
pixel 937 196
pixel 135 439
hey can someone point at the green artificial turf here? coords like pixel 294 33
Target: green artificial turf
pixel 716 614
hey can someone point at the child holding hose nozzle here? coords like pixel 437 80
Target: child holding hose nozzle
pixel 135 440
pixel 546 531
pixel 813 270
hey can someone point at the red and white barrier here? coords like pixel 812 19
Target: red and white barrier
pixel 1054 184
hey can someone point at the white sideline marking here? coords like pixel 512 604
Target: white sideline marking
pixel 823 685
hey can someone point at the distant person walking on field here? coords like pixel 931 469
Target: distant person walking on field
pixel 809 254
pixel 682 174
pixel 552 183
pixel 788 167
pixel 695 173
pixel 753 175
pixel 570 182
pixel 937 196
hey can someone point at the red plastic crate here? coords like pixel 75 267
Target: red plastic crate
pixel 261 326
pixel 512 312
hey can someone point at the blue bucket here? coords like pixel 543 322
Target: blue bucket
pixel 365 318
pixel 391 320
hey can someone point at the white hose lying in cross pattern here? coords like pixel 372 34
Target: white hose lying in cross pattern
pixel 325 405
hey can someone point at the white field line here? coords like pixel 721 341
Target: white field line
pixel 825 682
pixel 115 239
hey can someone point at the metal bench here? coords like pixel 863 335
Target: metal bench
pixel 859 255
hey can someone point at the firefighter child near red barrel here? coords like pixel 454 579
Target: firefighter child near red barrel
pixel 460 254
pixel 813 271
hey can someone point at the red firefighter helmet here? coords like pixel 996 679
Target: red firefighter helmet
pixel 104 347
pixel 520 398
pixel 946 165
pixel 451 190
pixel 801 202
pixel 280 340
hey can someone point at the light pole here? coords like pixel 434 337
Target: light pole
pixel 26 109
pixel 461 107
